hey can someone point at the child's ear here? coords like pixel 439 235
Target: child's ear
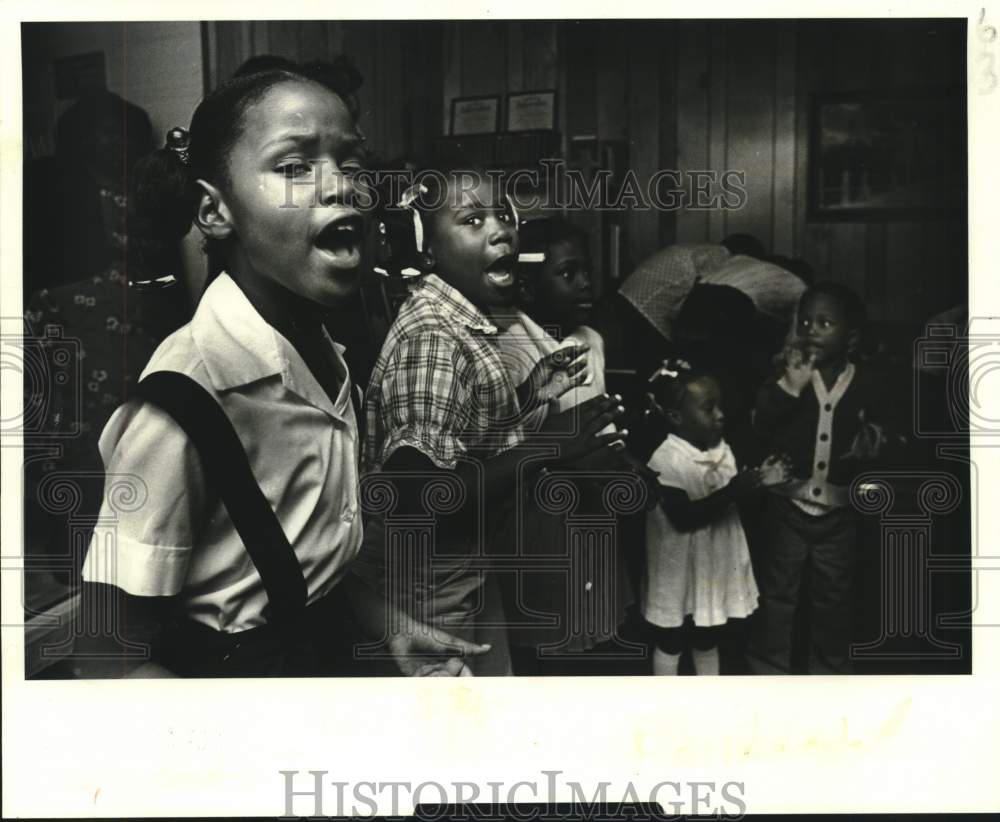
pixel 673 417
pixel 426 260
pixel 212 216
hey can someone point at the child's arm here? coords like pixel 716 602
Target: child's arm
pixel 138 558
pixel 686 514
pixel 103 655
pixel 573 434
pixel 429 393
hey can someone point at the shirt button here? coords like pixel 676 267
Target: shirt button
pixel 824 437
pixel 828 407
pixel 588 586
pixel 821 465
pixel 817 492
pixel 348 515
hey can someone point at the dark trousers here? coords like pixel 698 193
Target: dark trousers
pixel 793 539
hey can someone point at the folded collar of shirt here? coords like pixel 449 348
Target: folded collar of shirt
pixel 239 347
pixel 454 303
pixel 713 456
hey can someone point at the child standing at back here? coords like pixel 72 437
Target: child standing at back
pixel 698 564
pixel 821 412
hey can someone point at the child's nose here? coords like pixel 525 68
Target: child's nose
pixel 500 232
pixel 333 187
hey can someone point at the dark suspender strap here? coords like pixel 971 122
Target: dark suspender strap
pixel 228 474
pixel 358 401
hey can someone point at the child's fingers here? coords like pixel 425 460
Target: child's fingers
pixel 575 367
pixel 596 405
pixel 562 357
pixel 561 383
pixel 455 667
pixel 448 645
pixel 600 442
pixel 599 422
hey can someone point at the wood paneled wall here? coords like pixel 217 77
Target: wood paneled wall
pixel 720 95
pixel 685 95
pixel 401 63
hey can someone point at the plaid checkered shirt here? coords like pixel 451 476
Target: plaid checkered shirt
pixel 439 384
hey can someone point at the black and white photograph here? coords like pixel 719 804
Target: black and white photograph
pixel 604 354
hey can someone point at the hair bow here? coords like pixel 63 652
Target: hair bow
pixel 179 142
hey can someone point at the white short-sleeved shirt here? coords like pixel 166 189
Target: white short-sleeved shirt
pixel 303 451
pixel 704 572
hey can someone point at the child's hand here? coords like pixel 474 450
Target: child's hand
pixel 420 650
pixel 775 470
pixel 555 374
pixel 798 369
pixel 577 431
pixel 652 409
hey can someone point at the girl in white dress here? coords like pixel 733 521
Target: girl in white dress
pixel 698 565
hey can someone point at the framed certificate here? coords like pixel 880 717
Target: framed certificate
pixel 475 115
pixel 531 110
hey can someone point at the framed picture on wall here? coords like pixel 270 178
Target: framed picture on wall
pixel 886 155
pixel 475 115
pixel 531 110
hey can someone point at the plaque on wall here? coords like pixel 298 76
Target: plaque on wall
pixel 475 115
pixel 531 111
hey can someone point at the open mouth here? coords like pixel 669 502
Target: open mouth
pixel 500 272
pixel 342 238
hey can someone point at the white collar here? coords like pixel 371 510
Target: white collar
pixel 713 455
pixel 239 347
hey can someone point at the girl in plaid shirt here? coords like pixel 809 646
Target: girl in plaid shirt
pixel 440 402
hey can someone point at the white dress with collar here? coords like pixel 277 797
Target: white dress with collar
pixel 705 572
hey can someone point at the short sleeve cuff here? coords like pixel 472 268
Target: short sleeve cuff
pixel 437 444
pixel 135 567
